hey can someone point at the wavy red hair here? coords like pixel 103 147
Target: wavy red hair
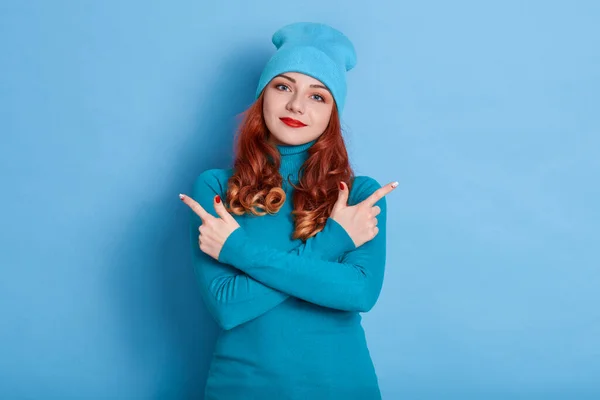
pixel 255 186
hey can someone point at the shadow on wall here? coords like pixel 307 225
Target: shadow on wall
pixel 167 327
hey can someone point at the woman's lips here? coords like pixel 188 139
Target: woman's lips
pixel 294 123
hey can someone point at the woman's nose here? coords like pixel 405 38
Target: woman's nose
pixel 296 104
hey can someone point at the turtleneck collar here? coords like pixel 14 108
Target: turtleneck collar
pixel 292 158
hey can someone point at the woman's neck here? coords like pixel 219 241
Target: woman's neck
pixel 292 158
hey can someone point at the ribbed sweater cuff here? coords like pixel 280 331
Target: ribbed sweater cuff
pixel 338 240
pixel 232 253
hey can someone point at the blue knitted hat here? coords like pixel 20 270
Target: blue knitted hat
pixel 314 49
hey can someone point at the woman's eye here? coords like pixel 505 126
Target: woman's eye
pixel 281 86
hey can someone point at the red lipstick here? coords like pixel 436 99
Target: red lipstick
pixel 294 123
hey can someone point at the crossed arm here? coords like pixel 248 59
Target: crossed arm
pixel 250 278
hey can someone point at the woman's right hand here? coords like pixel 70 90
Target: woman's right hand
pixel 360 220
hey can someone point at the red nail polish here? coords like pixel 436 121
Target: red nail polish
pixel 341 186
pixel 218 199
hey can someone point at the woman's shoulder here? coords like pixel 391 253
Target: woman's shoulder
pixel 362 187
pixel 215 179
pixel 365 181
pixel 216 174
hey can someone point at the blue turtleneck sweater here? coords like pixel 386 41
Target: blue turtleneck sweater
pixel 289 311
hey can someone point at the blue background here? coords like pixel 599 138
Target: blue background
pixel 485 112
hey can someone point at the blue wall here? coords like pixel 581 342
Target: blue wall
pixel 487 114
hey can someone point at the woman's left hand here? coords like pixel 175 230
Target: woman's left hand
pixel 213 231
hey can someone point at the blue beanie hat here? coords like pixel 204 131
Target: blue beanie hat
pixel 314 49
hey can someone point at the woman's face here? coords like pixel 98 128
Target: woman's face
pixel 296 108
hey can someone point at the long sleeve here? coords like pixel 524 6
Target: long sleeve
pixel 231 296
pixel 353 284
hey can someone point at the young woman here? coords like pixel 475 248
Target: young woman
pixel 291 245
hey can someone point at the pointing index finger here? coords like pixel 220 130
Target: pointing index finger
pixel 379 193
pixel 197 208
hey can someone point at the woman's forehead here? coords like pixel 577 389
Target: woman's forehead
pixel 301 76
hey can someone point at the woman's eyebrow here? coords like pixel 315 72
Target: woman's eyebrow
pixel 294 81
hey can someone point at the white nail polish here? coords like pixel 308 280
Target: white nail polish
pixel 395 184
pixel 180 196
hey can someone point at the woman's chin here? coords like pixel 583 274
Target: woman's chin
pixel 282 140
